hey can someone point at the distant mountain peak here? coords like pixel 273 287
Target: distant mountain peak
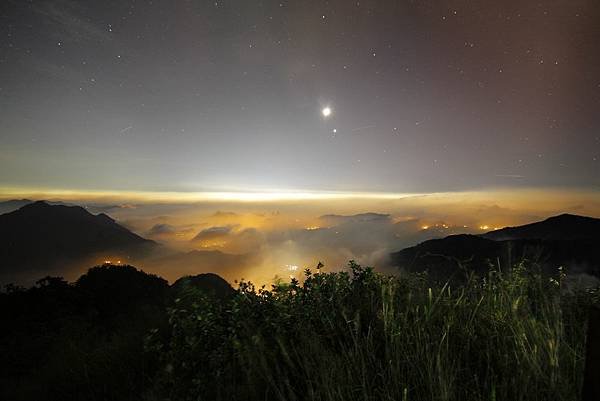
pixel 39 204
pixel 41 235
pixel 569 217
pixel 560 227
pixel 46 205
pixel 565 240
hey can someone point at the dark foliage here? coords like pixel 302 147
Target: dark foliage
pixel 208 283
pixel 118 333
pixel 360 335
pixel 80 341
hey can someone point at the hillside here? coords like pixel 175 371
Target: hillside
pixel 563 227
pixel 39 236
pixel 566 240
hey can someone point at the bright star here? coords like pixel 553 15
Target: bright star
pixel 326 111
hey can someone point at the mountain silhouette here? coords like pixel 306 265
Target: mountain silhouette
pixel 13 204
pixel 39 237
pixel 208 283
pixel 562 227
pixel 567 241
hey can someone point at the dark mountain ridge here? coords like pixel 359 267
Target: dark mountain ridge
pixel 39 236
pixel 570 241
pixel 208 283
pixel 13 204
pixel 562 227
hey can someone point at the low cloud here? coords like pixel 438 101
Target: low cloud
pixel 261 240
pixel 161 229
pixel 214 233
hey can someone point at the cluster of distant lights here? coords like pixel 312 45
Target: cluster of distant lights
pixel 110 262
pixel 446 226
pixel 214 244
pixel 292 269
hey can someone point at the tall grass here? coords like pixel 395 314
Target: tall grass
pixel 359 335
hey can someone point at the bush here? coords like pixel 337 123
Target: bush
pixel 361 335
pixel 81 341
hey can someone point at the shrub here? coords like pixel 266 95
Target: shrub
pixel 358 334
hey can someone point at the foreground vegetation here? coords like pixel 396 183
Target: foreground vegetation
pixel 352 335
pixel 361 335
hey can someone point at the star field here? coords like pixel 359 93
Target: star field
pixel 382 96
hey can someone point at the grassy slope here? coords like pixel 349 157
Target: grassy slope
pixel 364 336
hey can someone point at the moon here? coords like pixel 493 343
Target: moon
pixel 326 111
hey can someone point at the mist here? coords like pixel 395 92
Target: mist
pixel 265 240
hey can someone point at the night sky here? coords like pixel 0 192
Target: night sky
pixel 187 96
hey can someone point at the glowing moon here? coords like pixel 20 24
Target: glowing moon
pixel 326 111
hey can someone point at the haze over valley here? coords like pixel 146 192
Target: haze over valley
pixel 261 240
